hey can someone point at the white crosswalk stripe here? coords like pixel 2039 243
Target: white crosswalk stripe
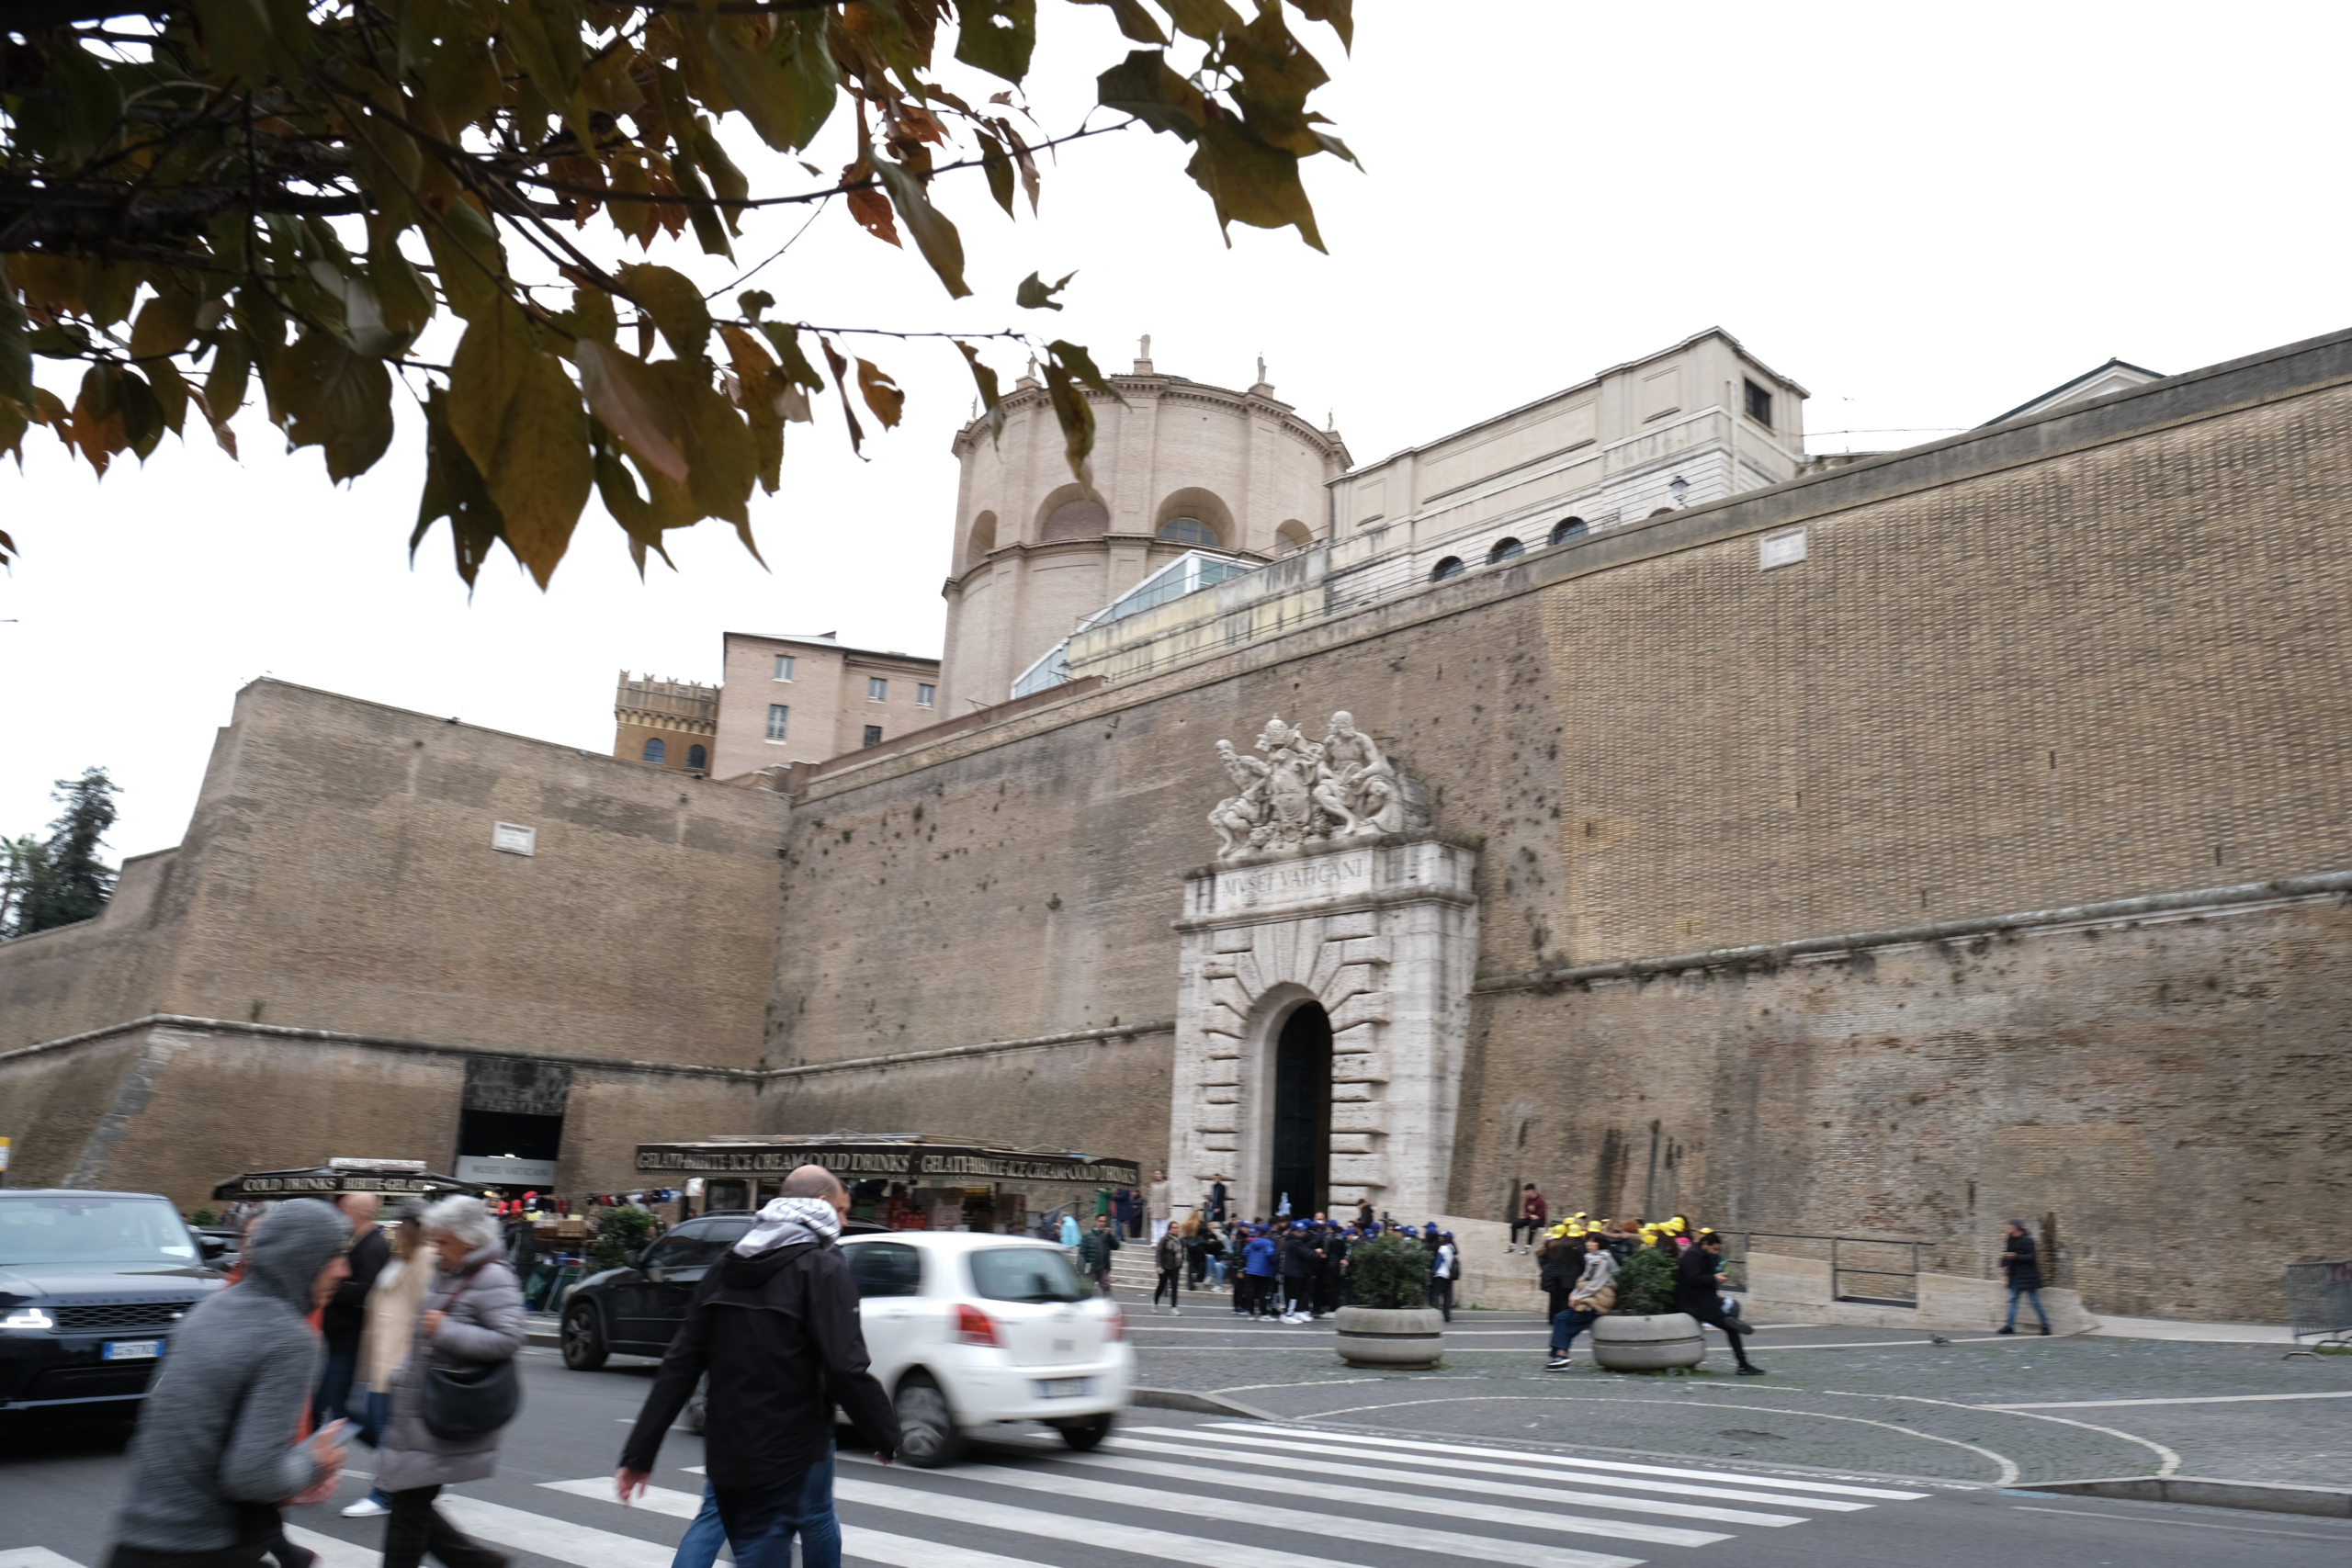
pixel 1220 1428
pixel 1327 1452
pixel 1247 1491
pixel 1352 1527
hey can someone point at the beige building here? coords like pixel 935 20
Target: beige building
pixel 1178 466
pixel 803 699
pixel 668 723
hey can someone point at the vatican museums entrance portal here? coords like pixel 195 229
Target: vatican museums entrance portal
pixel 1302 1163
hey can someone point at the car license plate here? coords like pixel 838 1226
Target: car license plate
pixel 1065 1388
pixel 131 1350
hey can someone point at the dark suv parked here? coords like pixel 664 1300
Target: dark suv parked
pixel 92 1284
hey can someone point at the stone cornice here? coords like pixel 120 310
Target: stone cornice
pixel 2240 897
pixel 1171 388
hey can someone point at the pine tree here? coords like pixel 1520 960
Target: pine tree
pixel 66 881
pixel 19 858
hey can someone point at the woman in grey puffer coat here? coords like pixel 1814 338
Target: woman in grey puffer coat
pixel 472 1314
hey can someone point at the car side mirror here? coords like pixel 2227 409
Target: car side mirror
pixel 653 1272
pixel 211 1246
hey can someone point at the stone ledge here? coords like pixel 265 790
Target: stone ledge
pixel 2324 1502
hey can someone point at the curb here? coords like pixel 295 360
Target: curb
pixel 545 1340
pixel 1199 1404
pixel 2325 1502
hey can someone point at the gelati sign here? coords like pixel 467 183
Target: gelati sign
pixel 922 1165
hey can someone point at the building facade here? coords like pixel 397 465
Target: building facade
pixel 1946 837
pixel 803 699
pixel 667 724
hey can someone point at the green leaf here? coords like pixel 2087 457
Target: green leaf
pixel 171 392
pixel 1034 295
pixel 786 93
pixel 732 184
pixel 996 36
pixel 225 384
pixel 751 302
pixel 454 489
pixel 721 463
pixel 520 418
pixel 1067 367
pixel 623 391
pixel 985 378
pixel 618 489
pixel 1338 13
pixel 934 236
pixel 1134 20
pixel 468 258
pixel 12 425
pixel 996 163
pixel 1144 86
pixel 166 324
pixel 675 305
pixel 1250 181
pixel 545 38
pixel 336 398
pixel 15 354
pixel 1203 19
pixel 143 415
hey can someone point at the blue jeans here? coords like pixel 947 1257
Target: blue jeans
pixel 332 1401
pixel 2035 1297
pixel 1566 1323
pixel 705 1536
pixel 763 1520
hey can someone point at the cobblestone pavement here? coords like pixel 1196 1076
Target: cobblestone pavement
pixel 1839 1398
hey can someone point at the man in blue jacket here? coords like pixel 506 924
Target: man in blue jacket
pixel 1257 1275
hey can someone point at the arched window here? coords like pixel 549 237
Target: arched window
pixel 1505 549
pixel 1076 519
pixel 655 751
pixel 1292 538
pixel 1567 528
pixel 698 757
pixel 1450 567
pixel 1188 531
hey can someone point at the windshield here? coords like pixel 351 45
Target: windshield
pixel 103 1231
pixel 1026 1274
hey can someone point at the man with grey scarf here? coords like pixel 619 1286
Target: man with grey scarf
pixel 775 1325
pixel 215 1453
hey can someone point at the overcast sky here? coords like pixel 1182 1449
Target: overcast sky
pixel 1924 214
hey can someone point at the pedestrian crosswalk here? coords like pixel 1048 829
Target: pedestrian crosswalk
pixel 1203 1495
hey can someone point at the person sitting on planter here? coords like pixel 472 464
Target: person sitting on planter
pixel 1576 1305
pixel 1697 1290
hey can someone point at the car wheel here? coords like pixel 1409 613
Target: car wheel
pixel 1085 1432
pixel 583 1339
pixel 927 1434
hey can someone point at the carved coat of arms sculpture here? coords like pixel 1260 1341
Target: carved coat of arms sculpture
pixel 1298 792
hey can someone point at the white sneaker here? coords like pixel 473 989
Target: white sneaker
pixel 366 1508
pixel 1175 1312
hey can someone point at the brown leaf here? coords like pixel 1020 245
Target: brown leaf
pixel 881 394
pixel 872 210
pixel 840 384
pixel 622 392
pixel 520 420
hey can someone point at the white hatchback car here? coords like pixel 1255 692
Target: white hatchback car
pixel 966 1329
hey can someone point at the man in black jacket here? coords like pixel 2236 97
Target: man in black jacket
pixel 776 1323
pixel 347 1311
pixel 1698 1286
pixel 2022 1263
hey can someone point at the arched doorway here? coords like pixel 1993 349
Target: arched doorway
pixel 1302 1152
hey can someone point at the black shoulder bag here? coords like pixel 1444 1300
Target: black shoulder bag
pixel 470 1402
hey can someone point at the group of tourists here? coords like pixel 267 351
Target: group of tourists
pixel 330 1329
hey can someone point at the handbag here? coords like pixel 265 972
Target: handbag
pixel 470 1402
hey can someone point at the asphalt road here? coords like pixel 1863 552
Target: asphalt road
pixel 1209 1491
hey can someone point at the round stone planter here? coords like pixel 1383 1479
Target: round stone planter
pixel 1378 1336
pixel 1648 1344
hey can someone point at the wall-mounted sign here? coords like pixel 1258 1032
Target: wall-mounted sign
pixel 1779 549
pixel 515 839
pixel 924 1164
pixel 499 1170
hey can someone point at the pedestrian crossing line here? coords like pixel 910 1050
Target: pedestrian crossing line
pixel 1340 1526
pixel 1451 1508
pixel 653 1499
pixel 1138 1540
pixel 1324 1466
pixel 35 1557
pixel 333 1552
pixel 857 1542
pixel 581 1545
pixel 1232 1431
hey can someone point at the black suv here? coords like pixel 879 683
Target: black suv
pixel 92 1285
pixel 637 1310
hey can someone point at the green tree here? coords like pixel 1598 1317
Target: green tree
pixel 200 195
pixel 1390 1272
pixel 1645 1283
pixel 18 857
pixel 63 880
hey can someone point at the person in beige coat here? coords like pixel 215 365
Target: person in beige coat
pixel 392 1308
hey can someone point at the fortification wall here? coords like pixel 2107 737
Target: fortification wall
pixel 96 972
pixel 2092 656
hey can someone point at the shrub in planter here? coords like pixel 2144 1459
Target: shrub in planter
pixel 1390 1273
pixel 620 1236
pixel 1645 1283
pixel 1390 1324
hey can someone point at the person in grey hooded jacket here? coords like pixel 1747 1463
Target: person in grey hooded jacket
pixel 215 1452
pixel 472 1314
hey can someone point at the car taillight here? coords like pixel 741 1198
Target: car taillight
pixel 1115 1326
pixel 973 1327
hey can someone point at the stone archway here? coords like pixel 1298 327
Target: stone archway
pixel 1299 1156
